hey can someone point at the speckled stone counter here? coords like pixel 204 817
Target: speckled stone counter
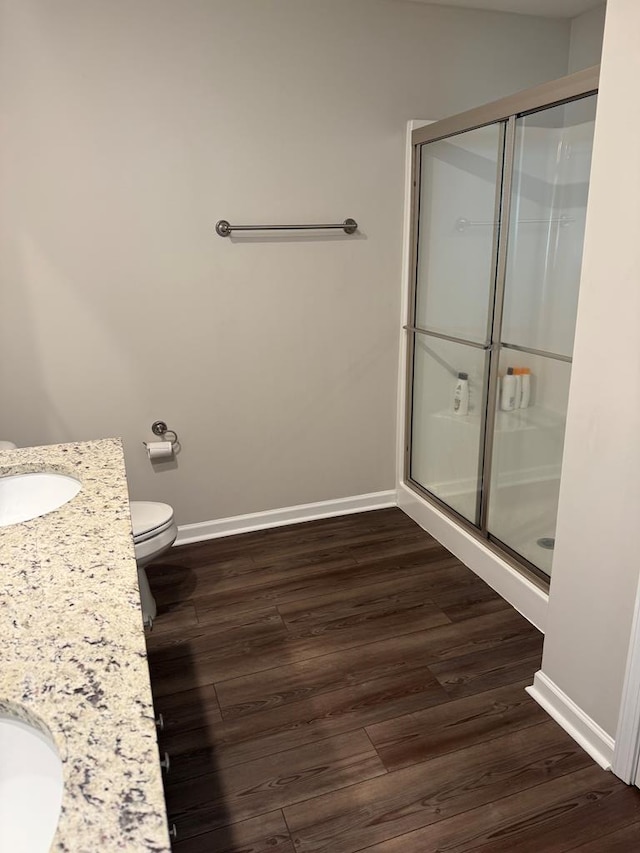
pixel 73 656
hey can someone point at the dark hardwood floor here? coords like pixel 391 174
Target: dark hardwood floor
pixel 346 685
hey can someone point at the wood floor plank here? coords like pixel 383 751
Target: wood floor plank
pixel 200 557
pixel 306 676
pixel 187 664
pixel 174 616
pixel 307 721
pixel 477 672
pixel 359 543
pixel 422 735
pixel 352 604
pixel 465 602
pixel 175 577
pixel 237 793
pixel 370 548
pixel 400 802
pixel 472 763
pixel 261 547
pixel 551 817
pixel 272 573
pixel 249 649
pixel 273 565
pixel 267 833
pixel 177 635
pixel 278 585
pixel 188 710
pixel 237 554
pixel 623 840
pixel 276 576
pixel 367 613
pixel 306 679
pixel 412 555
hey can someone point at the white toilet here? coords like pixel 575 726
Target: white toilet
pixel 154 532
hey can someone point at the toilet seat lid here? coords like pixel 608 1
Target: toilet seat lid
pixel 149 517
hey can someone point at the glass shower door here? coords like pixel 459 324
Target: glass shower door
pixel 499 208
pixel 459 197
pixel 546 232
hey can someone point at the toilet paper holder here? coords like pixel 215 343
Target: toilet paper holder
pixel 160 429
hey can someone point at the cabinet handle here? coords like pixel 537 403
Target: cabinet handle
pixel 173 832
pixel 165 763
pixel 160 723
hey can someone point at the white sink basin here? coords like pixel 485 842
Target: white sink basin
pixel 27 496
pixel 30 788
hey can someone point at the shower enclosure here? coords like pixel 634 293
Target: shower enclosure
pixel 499 202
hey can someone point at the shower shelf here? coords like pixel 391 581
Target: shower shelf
pixel 531 418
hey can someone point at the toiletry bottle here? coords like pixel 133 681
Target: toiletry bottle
pixel 461 395
pixel 508 395
pixel 517 372
pixel 526 388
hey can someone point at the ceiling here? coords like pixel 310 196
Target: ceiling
pixel 545 8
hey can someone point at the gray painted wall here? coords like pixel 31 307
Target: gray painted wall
pixel 128 130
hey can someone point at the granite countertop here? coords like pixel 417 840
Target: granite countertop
pixel 73 657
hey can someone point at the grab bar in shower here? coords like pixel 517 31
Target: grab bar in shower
pixel 224 229
pixel 462 224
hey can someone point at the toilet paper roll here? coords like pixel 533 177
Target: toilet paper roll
pixel 159 450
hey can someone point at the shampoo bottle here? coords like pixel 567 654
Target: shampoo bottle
pixel 517 372
pixel 526 388
pixel 461 395
pixel 508 391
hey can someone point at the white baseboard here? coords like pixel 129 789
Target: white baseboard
pixel 594 740
pixel 202 530
pixel 527 598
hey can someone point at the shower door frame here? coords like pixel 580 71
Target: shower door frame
pixel 504 111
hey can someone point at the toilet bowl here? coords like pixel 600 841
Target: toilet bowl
pixel 154 532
